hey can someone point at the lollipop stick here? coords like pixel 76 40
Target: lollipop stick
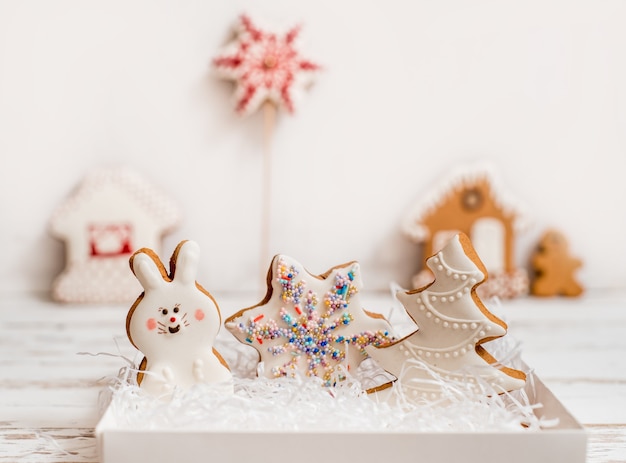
pixel 269 122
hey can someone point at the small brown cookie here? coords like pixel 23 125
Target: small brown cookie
pixel 554 267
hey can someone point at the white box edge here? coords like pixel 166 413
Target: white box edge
pixel 565 442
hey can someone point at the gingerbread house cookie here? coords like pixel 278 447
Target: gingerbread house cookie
pixel 471 202
pixel 110 215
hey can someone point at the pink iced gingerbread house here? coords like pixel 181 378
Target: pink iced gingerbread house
pixel 111 214
pixel 471 202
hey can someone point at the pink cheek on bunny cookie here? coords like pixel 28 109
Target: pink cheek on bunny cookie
pixel 151 324
pixel 199 314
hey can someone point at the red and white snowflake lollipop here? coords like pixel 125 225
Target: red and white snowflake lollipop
pixel 266 66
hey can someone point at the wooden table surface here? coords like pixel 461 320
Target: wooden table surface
pixel 50 385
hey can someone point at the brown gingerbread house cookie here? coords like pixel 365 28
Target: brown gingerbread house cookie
pixel 471 202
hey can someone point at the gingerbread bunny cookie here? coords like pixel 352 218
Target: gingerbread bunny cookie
pixel 174 323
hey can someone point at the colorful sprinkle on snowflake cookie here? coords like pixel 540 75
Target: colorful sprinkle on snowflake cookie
pixel 265 66
pixel 310 325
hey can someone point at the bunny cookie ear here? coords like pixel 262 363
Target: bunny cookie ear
pixel 148 269
pixel 184 262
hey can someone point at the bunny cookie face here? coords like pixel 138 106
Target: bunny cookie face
pixel 174 323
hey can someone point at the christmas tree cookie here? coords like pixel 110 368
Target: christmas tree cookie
pixel 453 325
pixel 310 325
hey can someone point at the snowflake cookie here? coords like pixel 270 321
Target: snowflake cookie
pixel 174 323
pixel 265 66
pixel 453 324
pixel 310 325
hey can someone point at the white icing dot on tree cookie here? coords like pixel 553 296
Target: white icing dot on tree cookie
pixel 456 353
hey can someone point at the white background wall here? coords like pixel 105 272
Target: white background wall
pixel 410 89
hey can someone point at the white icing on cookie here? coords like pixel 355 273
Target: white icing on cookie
pixel 310 325
pixel 174 323
pixel 453 323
